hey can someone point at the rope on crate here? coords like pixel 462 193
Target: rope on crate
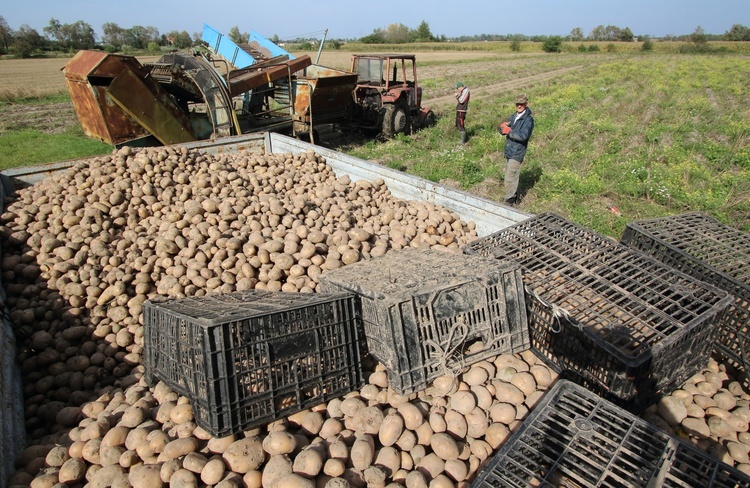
pixel 443 356
pixel 558 313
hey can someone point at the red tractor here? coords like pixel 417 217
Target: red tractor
pixel 388 98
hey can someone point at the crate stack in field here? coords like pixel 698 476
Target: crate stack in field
pixel 612 318
pixel 575 438
pixel 703 247
pixel 427 313
pixel 248 358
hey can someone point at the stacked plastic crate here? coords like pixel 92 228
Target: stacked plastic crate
pixel 427 313
pixel 701 246
pixel 614 319
pixel 248 358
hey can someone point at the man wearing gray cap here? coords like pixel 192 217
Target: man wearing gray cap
pixel 517 131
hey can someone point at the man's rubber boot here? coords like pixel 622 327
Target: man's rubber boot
pixel 464 137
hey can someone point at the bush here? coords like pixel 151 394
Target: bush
pixel 594 48
pixel 611 48
pixel 582 48
pixel 515 45
pixel 647 45
pixel 153 47
pixel 553 44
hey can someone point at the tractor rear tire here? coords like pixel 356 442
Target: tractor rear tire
pixel 395 120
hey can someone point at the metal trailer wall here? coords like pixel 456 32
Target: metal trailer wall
pixel 489 217
pixel 12 422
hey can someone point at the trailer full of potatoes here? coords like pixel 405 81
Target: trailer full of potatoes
pixel 242 318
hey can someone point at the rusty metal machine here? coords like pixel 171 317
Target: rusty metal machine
pixel 185 97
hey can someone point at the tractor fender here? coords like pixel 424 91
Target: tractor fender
pixel 425 117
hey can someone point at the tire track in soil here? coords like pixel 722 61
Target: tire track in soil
pixel 488 90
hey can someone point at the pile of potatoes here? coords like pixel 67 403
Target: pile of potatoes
pixel 373 437
pixel 83 250
pixel 711 410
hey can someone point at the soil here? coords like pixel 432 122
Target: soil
pixel 51 118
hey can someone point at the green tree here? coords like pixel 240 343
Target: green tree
pixel 423 33
pixel 113 34
pixel 397 34
pixel 626 35
pixel 153 47
pixel 738 32
pixel 179 39
pixel 553 44
pixel 6 35
pixel 647 44
pixel 238 37
pixel 78 35
pixel 698 37
pixel 377 37
pixel 138 37
pixel 26 42
pixel 515 44
pixel 576 34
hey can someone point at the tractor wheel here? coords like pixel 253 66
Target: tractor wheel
pixel 429 120
pixel 395 120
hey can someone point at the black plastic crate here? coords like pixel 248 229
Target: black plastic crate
pixel 574 438
pixel 621 322
pixel 428 313
pixel 701 246
pixel 245 359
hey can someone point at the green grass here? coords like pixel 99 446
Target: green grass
pixel 30 147
pixel 651 134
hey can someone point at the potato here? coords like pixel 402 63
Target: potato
pixel 179 448
pixel 277 467
pixel 245 455
pixel 72 471
pixel 524 382
pixel 145 476
pixel 444 446
pixel 279 442
pixel 391 429
pixel 334 467
pixel 213 471
pixel 362 452
pixel 308 463
pixel 431 464
pixel 456 424
pixel 496 434
pixel 411 414
pixel 183 477
pixel 368 420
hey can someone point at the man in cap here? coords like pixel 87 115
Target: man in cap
pixel 517 131
pixel 462 97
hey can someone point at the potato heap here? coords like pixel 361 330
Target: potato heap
pixel 711 410
pixel 146 438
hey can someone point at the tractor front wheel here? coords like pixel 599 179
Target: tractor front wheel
pixel 395 120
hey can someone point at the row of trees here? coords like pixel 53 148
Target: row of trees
pixel 26 41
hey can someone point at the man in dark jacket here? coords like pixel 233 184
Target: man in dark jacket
pixel 518 131
pixel 462 105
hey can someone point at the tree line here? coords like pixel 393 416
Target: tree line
pixel 26 41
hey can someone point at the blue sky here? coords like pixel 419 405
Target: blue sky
pixel 353 19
